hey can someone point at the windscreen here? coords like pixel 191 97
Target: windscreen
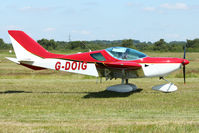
pixel 123 53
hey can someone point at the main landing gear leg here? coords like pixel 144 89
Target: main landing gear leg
pixel 122 81
pixel 126 81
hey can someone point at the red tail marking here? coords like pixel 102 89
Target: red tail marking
pixel 31 45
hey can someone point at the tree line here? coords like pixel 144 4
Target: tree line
pixel 160 45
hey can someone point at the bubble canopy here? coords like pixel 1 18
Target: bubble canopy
pixel 122 53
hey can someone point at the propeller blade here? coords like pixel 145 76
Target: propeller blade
pixel 184 74
pixel 184 52
pixel 184 70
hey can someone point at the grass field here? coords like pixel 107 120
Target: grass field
pixel 50 101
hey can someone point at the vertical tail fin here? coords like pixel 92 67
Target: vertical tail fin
pixel 25 47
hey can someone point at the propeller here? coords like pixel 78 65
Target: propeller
pixel 183 63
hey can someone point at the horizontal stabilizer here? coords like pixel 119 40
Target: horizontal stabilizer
pixel 25 62
pixel 15 60
pixel 20 61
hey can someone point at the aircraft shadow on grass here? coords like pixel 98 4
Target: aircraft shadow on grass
pixel 100 94
pixel 12 91
pixel 110 94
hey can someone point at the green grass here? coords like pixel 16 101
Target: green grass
pixel 50 101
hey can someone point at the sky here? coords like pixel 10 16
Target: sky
pixel 144 20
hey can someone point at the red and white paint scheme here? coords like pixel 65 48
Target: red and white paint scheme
pixel 114 62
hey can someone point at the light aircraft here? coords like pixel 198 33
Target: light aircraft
pixel 111 63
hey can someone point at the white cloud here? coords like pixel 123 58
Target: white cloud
pixel 149 8
pixel 176 6
pixel 113 35
pixel 35 9
pixel 91 3
pixel 172 36
pixel 129 4
pixel 25 8
pixel 82 32
pixel 13 27
pixel 49 29
pixel 168 6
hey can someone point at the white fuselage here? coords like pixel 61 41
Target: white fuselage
pixel 159 69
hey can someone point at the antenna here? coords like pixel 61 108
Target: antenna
pixel 86 46
pixel 69 39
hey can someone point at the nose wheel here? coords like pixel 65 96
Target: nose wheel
pixel 169 87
